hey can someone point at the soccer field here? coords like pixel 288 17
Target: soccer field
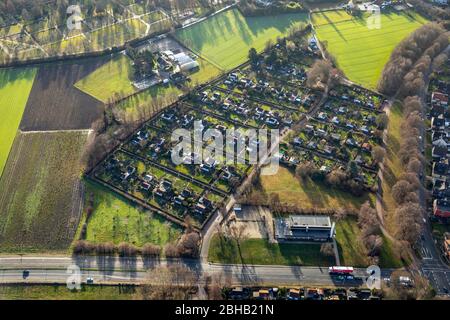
pixel 15 86
pixel 361 52
pixel 226 38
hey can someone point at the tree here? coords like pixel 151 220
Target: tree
pixel 327 250
pixel 168 283
pixel 400 190
pixel 127 250
pixel 189 245
pixel 305 170
pixel 319 74
pixel 378 154
pixel 151 250
pixel 407 222
pixel 382 121
pixel 253 57
pixel 238 234
pixel 171 251
pixel 373 244
pixel 353 169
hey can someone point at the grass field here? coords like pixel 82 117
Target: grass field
pixel 60 292
pixel 259 251
pixel 361 52
pixel 15 86
pixel 40 199
pixel 351 251
pixel 309 194
pixel 113 77
pixel 226 38
pixel 393 167
pixel 116 220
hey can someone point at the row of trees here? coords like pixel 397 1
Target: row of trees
pixel 406 75
pixel 370 235
pixel 411 58
pixel 124 249
pixel 348 179
pixel 252 8
pixel 187 246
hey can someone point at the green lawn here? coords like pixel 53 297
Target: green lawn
pixel 111 78
pixel 116 220
pixel 308 194
pixel 259 251
pixel 361 52
pixel 15 86
pixel 60 292
pixel 226 38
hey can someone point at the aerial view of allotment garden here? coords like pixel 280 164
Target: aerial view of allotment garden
pixel 354 96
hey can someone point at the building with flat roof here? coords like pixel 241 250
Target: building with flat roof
pixel 304 228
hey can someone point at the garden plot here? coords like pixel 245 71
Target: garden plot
pixel 359 96
pixel 156 146
pixel 349 116
pixel 10 30
pixel 116 34
pixel 17 42
pixel 270 90
pixel 335 143
pixel 159 188
pixel 239 110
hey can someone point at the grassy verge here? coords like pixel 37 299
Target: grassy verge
pixel 393 167
pixel 60 292
pixel 259 251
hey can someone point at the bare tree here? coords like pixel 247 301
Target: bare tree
pixel 168 283
pixel 378 154
pixel 238 233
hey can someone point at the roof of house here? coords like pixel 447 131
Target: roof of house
pixel 442 205
pixel 310 221
pixel 439 96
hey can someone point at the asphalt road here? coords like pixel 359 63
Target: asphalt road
pixel 125 270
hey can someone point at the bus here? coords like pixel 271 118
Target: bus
pixel 340 270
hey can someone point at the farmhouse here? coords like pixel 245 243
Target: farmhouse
pixel 304 228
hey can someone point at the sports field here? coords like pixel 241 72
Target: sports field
pixel 15 86
pixel 226 38
pixel 362 49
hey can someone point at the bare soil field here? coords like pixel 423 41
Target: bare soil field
pixel 41 199
pixel 54 102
